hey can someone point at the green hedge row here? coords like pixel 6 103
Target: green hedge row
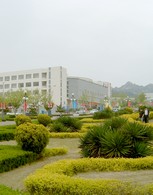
pixel 58 178
pixel 7 132
pixel 12 156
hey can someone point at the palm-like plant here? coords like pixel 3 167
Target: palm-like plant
pixel 140 149
pixel 115 123
pixel 138 132
pixel 115 144
pixel 117 138
pixel 90 143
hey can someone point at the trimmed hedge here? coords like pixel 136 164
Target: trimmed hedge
pixel 32 137
pixel 66 135
pixel 12 156
pixel 21 119
pixel 57 178
pixel 44 119
pixel 7 132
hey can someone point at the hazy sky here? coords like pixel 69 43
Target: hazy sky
pixel 107 40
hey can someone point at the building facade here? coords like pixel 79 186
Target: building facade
pixel 86 92
pixel 69 92
pixel 52 81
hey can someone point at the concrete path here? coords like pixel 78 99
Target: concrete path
pixel 15 178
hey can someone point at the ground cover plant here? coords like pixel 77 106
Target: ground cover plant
pixel 59 177
pixel 4 190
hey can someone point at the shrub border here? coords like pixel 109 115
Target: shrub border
pixel 57 178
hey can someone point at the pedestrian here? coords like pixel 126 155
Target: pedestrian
pixel 146 115
pixel 141 115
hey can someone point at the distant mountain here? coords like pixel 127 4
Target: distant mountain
pixel 132 89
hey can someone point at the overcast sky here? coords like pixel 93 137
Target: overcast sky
pixel 105 40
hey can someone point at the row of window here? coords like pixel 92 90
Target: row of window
pixel 27 76
pixel 20 85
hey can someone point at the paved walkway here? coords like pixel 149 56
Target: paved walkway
pixel 3 123
pixel 15 178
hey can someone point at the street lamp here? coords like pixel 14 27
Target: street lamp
pixel 128 101
pixel 25 98
pixel 106 102
pixel 73 100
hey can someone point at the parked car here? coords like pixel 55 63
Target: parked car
pixel 93 111
pixel 115 109
pixel 80 112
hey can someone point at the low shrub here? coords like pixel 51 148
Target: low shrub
pixel 66 124
pixel 66 135
pixel 91 120
pixel 20 119
pixel 44 119
pixel 57 127
pixel 72 123
pixel 105 114
pixel 57 178
pixel 32 137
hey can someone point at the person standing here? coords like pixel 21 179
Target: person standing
pixel 146 115
pixel 141 113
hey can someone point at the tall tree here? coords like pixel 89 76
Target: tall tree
pixel 14 98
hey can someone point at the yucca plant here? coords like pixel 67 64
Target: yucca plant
pixel 115 123
pixel 90 143
pixel 140 149
pixel 73 124
pixel 118 138
pixel 115 144
pixel 138 132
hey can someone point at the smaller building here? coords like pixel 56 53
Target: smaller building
pixel 84 92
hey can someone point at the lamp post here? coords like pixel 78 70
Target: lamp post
pixel 106 102
pixel 73 100
pixel 128 101
pixel 25 98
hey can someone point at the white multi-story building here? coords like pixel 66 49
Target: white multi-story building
pixel 52 80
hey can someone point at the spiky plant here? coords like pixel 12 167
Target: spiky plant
pixel 140 149
pixel 115 144
pixel 115 123
pixel 138 132
pixel 90 143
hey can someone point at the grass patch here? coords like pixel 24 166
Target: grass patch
pixel 4 190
